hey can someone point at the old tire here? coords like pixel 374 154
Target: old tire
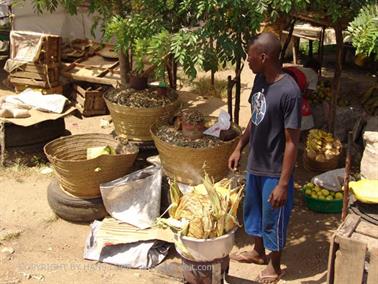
pixel 74 209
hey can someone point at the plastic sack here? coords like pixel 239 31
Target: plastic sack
pixel 365 190
pixel 134 198
pixel 369 162
pixel 141 255
pixel 331 180
pixel 223 123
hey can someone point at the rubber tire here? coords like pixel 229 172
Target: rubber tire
pixel 74 209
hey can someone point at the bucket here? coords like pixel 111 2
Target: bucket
pixel 205 250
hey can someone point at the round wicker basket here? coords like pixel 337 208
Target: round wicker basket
pixel 319 167
pixel 135 123
pixel 79 176
pixel 187 164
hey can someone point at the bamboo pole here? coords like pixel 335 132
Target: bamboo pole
pixel 348 163
pixel 230 84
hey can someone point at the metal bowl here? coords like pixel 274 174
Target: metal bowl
pixel 205 249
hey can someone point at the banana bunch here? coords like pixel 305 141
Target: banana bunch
pixel 208 211
pixel 369 100
pixel 322 146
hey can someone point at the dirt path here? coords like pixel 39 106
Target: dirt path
pixel 50 250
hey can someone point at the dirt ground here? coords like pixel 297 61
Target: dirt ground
pixel 44 248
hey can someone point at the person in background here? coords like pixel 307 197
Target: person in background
pixel 307 80
pixel 272 134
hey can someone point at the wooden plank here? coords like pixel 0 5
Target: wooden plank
pixel 31 75
pixel 33 82
pixel 367 229
pixel 371 243
pixel 373 267
pixel 331 260
pixel 350 261
pixel 97 80
pixel 348 226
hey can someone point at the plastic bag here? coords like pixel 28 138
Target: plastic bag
pixel 365 190
pixel 223 123
pixel 369 162
pixel 141 255
pixel 134 198
pixel 331 180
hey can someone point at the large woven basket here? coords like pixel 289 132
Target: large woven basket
pixel 186 164
pixel 79 176
pixel 136 122
pixel 320 167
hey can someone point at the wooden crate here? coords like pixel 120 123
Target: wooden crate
pixel 18 88
pixel 353 255
pixel 35 74
pixel 89 98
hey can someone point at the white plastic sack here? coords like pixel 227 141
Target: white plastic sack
pixel 134 198
pixel 141 255
pixel 331 180
pixel 369 162
pixel 223 123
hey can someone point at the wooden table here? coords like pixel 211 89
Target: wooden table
pixel 353 255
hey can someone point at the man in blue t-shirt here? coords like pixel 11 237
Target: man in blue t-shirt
pixel 273 134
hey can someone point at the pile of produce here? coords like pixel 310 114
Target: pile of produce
pixel 320 193
pixel 171 135
pixel 95 152
pixel 192 117
pixel 208 211
pixel 148 98
pixel 322 146
pixel 323 93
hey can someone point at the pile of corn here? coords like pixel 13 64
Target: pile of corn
pixel 208 211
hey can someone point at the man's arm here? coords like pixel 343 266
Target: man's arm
pixel 279 194
pixel 234 159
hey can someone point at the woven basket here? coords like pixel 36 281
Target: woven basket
pixel 187 164
pixel 319 167
pixel 79 176
pixel 136 122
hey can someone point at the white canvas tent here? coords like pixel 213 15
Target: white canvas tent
pixel 58 22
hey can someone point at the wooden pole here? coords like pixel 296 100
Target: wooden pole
pixel 212 71
pixel 288 39
pixel 321 50
pixel 348 166
pixel 238 70
pixel 230 84
pixel 336 77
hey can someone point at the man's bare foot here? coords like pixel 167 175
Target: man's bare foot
pixel 269 276
pixel 249 257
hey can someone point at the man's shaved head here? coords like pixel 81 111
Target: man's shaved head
pixel 268 43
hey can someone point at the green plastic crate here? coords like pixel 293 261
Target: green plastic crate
pixel 323 206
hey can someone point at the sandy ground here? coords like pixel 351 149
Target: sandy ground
pixel 48 249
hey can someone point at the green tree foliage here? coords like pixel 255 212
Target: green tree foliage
pixel 363 30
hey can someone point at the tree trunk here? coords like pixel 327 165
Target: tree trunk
pixel 336 78
pixel 124 58
pixel 237 84
pixel 124 66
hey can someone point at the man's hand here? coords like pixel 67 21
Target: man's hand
pixel 233 161
pixel 278 196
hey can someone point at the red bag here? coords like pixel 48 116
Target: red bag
pixel 306 108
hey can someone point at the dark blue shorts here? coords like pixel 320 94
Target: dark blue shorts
pixel 260 219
